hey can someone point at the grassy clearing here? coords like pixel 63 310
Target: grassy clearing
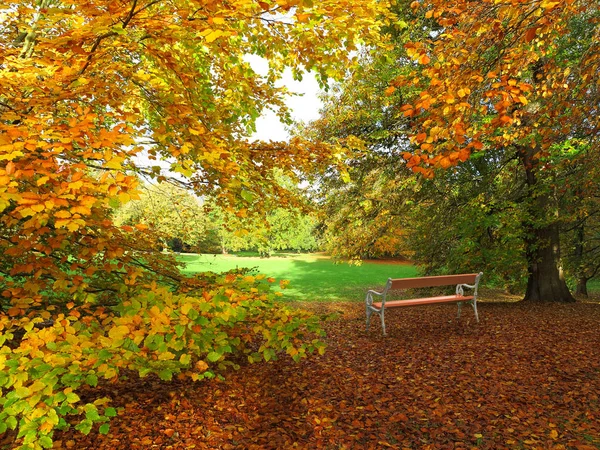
pixel 312 277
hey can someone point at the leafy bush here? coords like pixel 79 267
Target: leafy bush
pixel 196 334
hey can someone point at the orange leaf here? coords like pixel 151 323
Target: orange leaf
pixel 530 34
pixel 445 162
pixel 14 311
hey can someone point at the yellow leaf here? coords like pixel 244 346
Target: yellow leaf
pixel 76 185
pixel 81 210
pixel 118 333
pixel 61 223
pixel 165 356
pixel 114 163
pixel 72 226
pixel 197 131
pixel 42 180
pixel 124 197
pixel 214 34
pixel 62 214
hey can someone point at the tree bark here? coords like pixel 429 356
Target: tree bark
pixel 546 282
pixel 581 288
pixel 582 280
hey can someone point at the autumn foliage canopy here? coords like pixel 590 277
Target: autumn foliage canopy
pixel 92 96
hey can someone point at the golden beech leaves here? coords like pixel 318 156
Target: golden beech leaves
pixel 516 73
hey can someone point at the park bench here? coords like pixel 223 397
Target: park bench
pixel 470 281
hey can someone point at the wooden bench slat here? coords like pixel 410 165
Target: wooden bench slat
pixel 442 280
pixel 424 301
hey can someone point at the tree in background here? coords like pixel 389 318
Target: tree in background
pixel 85 87
pixel 171 211
pixel 577 191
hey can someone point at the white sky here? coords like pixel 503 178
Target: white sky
pixel 303 108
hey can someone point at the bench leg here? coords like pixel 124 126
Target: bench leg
pixel 475 309
pixel 369 312
pixel 381 314
pixel 459 307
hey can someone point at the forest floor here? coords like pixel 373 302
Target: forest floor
pixel 526 376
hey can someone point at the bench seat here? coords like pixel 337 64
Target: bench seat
pixel 425 301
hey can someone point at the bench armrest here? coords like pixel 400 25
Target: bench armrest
pixel 369 298
pixel 374 292
pixel 460 287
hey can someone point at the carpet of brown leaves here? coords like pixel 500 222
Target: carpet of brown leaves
pixel 526 376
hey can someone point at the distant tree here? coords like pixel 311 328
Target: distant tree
pixel 172 211
pixel 283 229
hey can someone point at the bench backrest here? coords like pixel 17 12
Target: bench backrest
pixel 442 280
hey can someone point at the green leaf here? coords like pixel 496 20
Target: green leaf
pixel 92 380
pixel 143 371
pixel 45 441
pixel 165 375
pixel 118 29
pixel 72 397
pixel 213 356
pixel 110 412
pixel 11 422
pixel 247 195
pixel 104 428
pixel 84 426
pixel 92 414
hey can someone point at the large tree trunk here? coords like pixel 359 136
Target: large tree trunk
pixel 546 282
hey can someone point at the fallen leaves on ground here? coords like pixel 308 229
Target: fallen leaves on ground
pixel 526 376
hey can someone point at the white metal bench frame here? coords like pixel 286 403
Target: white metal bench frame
pixel 462 281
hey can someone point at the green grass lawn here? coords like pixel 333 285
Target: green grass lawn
pixel 594 286
pixel 312 277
